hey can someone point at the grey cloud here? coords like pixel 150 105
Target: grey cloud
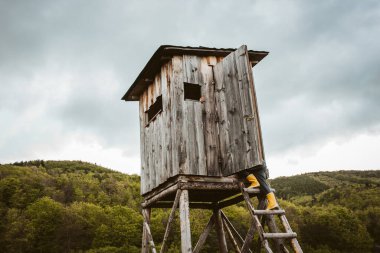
pixel 69 62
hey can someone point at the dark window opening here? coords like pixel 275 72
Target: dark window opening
pixel 154 109
pixel 192 91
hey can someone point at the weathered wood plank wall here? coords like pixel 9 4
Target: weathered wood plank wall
pixel 216 137
pixel 240 136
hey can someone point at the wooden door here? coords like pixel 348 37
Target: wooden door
pixel 238 119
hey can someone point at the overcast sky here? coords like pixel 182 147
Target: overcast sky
pixel 64 65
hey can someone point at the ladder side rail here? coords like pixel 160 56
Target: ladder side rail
pixel 294 242
pixel 256 220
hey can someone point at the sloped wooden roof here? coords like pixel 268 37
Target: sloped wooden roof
pixel 165 53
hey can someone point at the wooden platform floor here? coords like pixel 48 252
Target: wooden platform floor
pixel 204 192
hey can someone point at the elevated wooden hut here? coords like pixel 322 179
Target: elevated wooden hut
pixel 199 126
pixel 198 113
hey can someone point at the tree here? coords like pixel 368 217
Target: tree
pixel 335 227
pixel 45 218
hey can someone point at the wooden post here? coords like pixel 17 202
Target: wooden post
pixel 148 232
pixel 170 222
pixel 185 222
pixel 145 242
pixel 220 232
pixel 170 199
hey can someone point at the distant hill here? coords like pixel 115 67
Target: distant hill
pixel 74 206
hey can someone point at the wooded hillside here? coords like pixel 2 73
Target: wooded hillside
pixel 73 206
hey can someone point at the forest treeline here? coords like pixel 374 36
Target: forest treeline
pixel 74 206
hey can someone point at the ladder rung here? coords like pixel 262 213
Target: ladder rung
pixel 255 190
pixel 267 212
pixel 252 190
pixel 279 235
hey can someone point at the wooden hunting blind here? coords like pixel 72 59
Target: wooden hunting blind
pixel 200 127
pixel 198 113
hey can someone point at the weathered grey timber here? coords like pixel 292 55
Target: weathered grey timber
pixel 220 231
pixel 147 233
pixel 205 233
pixel 211 132
pixel 170 221
pixel 184 214
pixel 214 193
pixel 232 228
pixel 231 236
pixel 145 242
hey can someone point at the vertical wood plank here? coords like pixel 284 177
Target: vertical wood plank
pixel 235 116
pixel 157 138
pixel 254 153
pixel 223 123
pixel 193 118
pixel 157 148
pixel 143 171
pixel 209 117
pixel 179 154
pixel 152 171
pixel 185 222
pixel 249 116
pixel 166 122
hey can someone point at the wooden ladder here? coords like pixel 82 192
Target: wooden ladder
pixel 262 216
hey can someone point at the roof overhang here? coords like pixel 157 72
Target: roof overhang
pixel 165 52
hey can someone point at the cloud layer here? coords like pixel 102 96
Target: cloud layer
pixel 64 66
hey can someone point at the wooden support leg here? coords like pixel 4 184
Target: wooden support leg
pixel 185 222
pixel 220 232
pixel 147 231
pixel 145 242
pixel 231 236
pixel 233 229
pixel 170 222
pixel 203 236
